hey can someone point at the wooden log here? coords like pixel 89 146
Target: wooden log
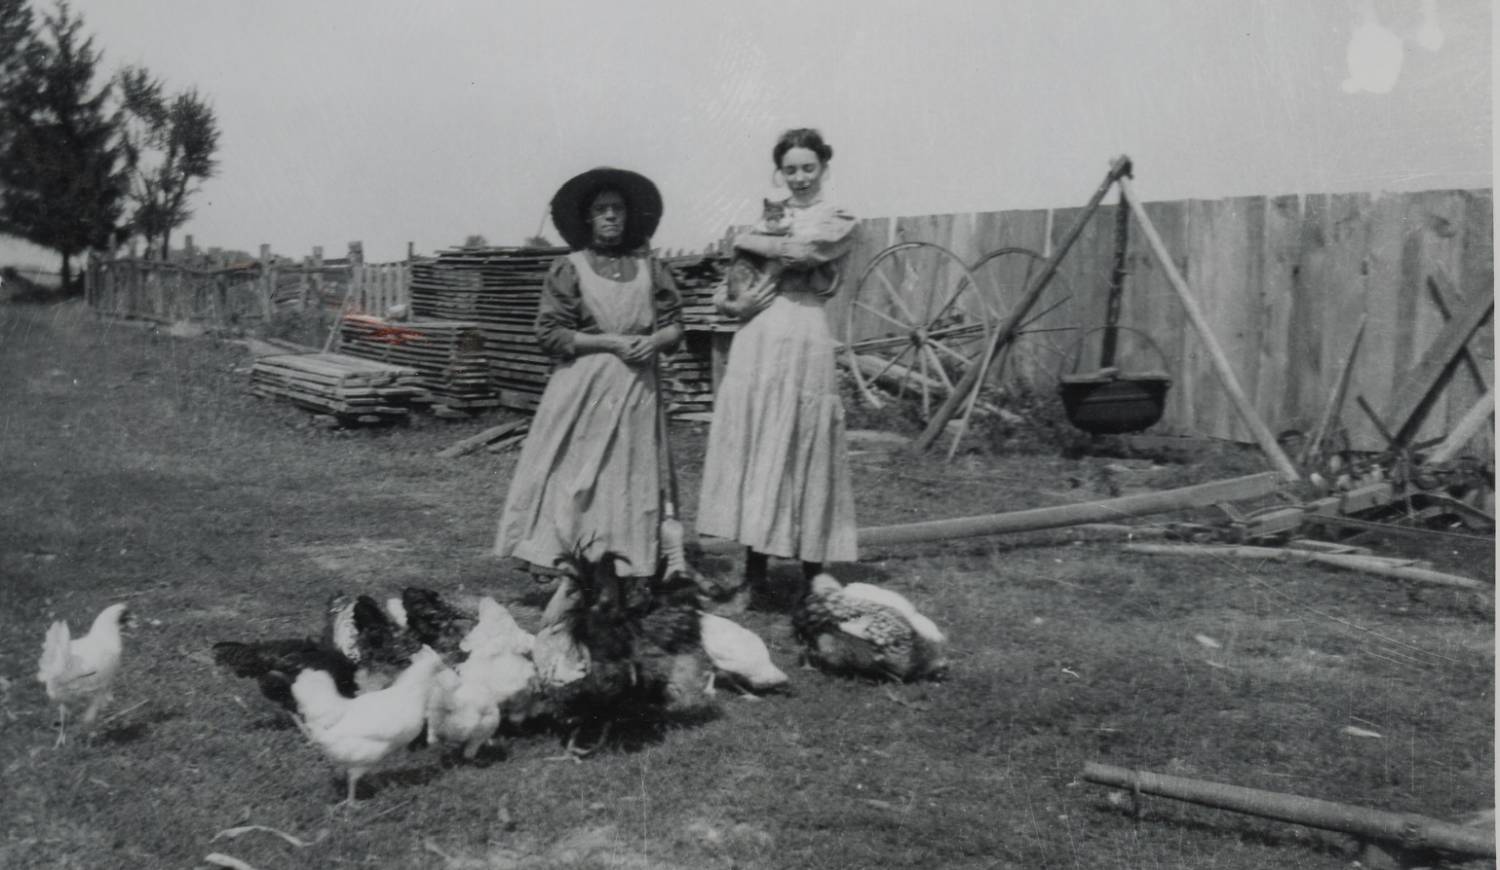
pixel 474 442
pixel 1397 568
pixel 1468 426
pixel 1200 495
pixel 1407 829
pixel 1222 367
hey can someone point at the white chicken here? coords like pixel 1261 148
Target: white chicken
pixel 469 702
pixel 358 733
pixel 738 655
pixel 82 671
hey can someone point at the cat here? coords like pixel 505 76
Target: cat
pixel 747 270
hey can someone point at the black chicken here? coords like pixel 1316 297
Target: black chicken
pixel 437 622
pixel 622 649
pixel 275 664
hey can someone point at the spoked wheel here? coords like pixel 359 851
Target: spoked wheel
pixel 917 322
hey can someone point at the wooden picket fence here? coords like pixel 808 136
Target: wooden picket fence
pixel 243 295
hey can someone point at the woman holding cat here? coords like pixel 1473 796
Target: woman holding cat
pixel 587 474
pixel 776 473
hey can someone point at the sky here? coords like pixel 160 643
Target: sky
pixel 394 122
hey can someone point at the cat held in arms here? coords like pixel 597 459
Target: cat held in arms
pixel 748 271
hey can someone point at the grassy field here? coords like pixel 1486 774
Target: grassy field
pixel 137 467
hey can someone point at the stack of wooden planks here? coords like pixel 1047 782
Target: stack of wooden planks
pixel 331 383
pixel 498 289
pixel 697 277
pixel 449 355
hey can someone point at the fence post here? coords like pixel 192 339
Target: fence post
pixel 267 286
pixel 358 291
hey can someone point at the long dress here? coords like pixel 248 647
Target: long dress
pixel 776 473
pixel 587 473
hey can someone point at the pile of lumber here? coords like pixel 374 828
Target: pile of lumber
pixel 337 384
pixel 448 354
pixel 498 289
pixel 697 277
pixel 688 382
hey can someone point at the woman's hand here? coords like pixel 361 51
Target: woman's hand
pixel 637 349
pixel 755 300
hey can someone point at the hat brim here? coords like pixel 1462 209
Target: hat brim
pixel 642 204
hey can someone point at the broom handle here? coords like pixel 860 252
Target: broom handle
pixel 663 443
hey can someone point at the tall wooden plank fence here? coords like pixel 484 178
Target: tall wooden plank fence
pixel 1282 279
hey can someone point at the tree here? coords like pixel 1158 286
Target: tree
pixel 476 241
pixel 17 41
pixel 537 241
pixel 61 185
pixel 169 148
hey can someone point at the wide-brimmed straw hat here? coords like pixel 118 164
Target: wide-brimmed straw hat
pixel 642 203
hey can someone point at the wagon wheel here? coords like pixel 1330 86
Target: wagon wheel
pixel 1002 276
pixel 1044 336
pixel 916 323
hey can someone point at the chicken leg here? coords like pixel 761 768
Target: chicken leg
pixel 576 755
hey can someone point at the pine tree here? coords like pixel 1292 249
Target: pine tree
pixel 169 148
pixel 62 185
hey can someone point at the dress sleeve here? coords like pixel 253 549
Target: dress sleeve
pixel 561 311
pixel 668 300
pixel 829 239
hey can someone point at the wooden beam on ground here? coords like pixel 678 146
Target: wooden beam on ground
pixel 1468 426
pixel 474 442
pixel 1400 569
pixel 1225 371
pixel 1200 495
pixel 1410 398
pixel 1397 828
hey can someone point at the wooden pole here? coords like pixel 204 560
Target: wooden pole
pixel 1242 404
pixel 1407 829
pixel 1395 568
pixel 1200 495
pixel 976 374
pixel 1441 288
pixel 1423 380
pixel 1468 426
pixel 1314 448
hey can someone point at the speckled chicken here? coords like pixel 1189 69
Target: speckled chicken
pixel 853 633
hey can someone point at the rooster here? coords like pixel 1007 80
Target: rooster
pixel 620 648
pixel 494 680
pixel 358 733
pixel 82 671
pixel 866 632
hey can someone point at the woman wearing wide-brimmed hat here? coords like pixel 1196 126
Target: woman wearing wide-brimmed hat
pixel 587 473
